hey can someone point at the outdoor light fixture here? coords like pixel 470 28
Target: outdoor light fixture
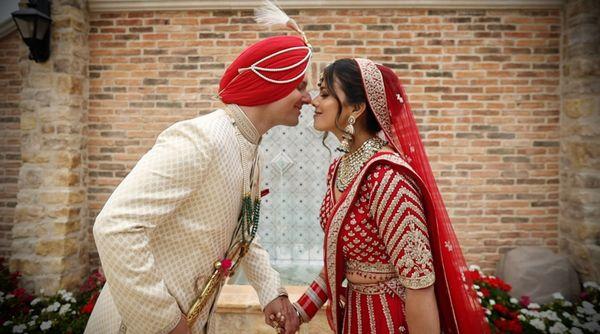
pixel 33 24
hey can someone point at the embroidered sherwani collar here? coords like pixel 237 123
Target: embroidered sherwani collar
pixel 243 123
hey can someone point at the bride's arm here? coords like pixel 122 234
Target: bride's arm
pixel 313 299
pixel 396 206
pixel 420 314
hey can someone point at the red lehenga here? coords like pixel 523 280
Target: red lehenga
pixel 390 221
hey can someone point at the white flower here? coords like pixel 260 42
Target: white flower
pixel 593 327
pixel 492 302
pixel 474 267
pixel 7 323
pixel 568 316
pixel 34 317
pixel 64 309
pixel 533 306
pixel 576 330
pixel 52 308
pixel 558 328
pixel 479 294
pixel 537 323
pixel 588 306
pixel 19 328
pixel 488 312
pixel 9 296
pixel 46 325
pixel 592 285
pixel 521 317
pixel 567 303
pixel 550 315
pixel 35 301
pixel 31 323
pixel 67 296
pixel 514 300
pixel 475 286
pixel 533 314
pixel 557 295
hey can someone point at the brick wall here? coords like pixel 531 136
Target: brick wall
pixel 484 85
pixel 10 150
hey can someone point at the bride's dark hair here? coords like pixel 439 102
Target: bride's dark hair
pixel 347 74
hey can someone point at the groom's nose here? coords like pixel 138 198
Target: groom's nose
pixel 306 99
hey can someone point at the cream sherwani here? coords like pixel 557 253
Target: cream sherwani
pixel 168 221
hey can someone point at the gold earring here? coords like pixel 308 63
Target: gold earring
pixel 348 135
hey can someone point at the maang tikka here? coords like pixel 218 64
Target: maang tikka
pixel 348 135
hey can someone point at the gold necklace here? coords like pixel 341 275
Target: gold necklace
pixel 351 163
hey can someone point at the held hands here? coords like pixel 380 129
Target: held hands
pixel 281 315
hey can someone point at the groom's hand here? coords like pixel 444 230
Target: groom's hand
pixel 182 327
pixel 280 313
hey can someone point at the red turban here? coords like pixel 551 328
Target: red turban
pixel 265 72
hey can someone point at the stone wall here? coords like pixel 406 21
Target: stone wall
pixel 11 50
pixel 484 85
pixel 580 133
pixel 49 240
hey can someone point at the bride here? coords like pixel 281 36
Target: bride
pixel 387 234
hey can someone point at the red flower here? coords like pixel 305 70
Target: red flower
pixel 497 283
pixel 93 282
pixel 524 301
pixel 510 326
pixel 89 306
pixel 514 326
pixel 19 292
pixel 501 309
pixel 474 275
pixel 486 293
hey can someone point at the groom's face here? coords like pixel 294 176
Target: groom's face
pixel 286 111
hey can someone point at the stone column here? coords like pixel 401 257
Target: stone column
pixel 49 245
pixel 580 137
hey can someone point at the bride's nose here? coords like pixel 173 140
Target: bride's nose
pixel 315 102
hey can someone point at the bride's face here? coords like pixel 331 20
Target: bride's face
pixel 327 107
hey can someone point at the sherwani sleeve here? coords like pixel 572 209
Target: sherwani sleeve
pixel 261 275
pixel 398 211
pixel 163 179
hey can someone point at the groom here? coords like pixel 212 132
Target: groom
pixel 168 222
